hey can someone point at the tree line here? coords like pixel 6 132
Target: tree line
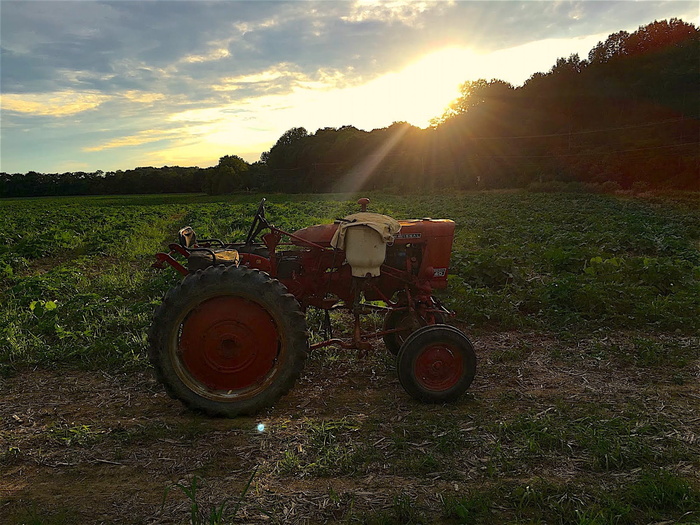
pixel 626 116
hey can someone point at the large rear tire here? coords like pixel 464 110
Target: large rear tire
pixel 228 341
pixel 436 364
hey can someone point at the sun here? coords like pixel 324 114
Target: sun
pixel 416 94
pixel 424 89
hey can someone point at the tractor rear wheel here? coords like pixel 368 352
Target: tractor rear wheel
pixel 408 322
pixel 228 341
pixel 436 364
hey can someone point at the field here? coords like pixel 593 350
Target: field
pixel 584 311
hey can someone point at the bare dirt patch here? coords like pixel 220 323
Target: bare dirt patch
pixel 347 443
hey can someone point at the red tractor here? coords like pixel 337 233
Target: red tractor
pixel 231 338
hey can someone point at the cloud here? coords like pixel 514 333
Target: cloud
pixel 52 105
pixel 143 97
pixel 396 11
pixel 213 55
pixel 143 137
pixel 185 45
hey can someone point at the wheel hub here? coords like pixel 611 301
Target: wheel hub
pixel 229 347
pixel 439 367
pixel 229 343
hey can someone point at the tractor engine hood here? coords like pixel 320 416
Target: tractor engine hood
pixel 320 234
pixel 323 234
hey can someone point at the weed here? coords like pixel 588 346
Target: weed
pixel 469 509
pixel 11 456
pixel 215 514
pixel 652 353
pixel 420 463
pixel 554 261
pixel 516 353
pixel 76 435
pixel 612 450
pixel 405 510
pixel 661 490
pixel 290 464
pixel 325 450
pixel 536 434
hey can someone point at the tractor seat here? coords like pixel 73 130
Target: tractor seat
pixel 201 257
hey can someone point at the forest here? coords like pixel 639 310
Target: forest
pixel 626 117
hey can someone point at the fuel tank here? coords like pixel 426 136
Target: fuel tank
pixel 418 230
pixel 320 234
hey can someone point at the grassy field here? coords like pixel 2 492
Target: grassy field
pixel 584 310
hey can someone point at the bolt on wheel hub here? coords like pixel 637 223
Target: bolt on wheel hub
pixel 438 367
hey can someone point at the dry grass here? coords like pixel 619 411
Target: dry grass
pixel 553 431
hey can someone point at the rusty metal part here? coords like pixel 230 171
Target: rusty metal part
pixel 439 367
pixel 229 343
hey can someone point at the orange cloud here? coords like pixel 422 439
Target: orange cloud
pixel 143 137
pixel 53 104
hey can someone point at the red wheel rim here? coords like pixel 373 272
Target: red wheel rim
pixel 229 343
pixel 439 367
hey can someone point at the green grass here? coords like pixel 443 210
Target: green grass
pixel 520 261
pixel 324 448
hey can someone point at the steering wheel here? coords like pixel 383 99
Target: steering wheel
pixel 259 222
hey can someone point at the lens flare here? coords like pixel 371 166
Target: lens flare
pixel 261 427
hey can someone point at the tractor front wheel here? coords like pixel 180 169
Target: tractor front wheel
pixel 436 364
pixel 228 341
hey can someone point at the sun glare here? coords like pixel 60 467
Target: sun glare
pixel 421 91
pixel 416 94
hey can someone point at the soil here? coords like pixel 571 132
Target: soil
pixel 94 447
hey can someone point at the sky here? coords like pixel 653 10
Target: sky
pixel 91 85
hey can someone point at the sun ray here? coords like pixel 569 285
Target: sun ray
pixel 358 176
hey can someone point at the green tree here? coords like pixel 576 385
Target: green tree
pixel 286 150
pixel 286 160
pixel 228 176
pixel 614 46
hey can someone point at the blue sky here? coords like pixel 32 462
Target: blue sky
pixel 92 85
